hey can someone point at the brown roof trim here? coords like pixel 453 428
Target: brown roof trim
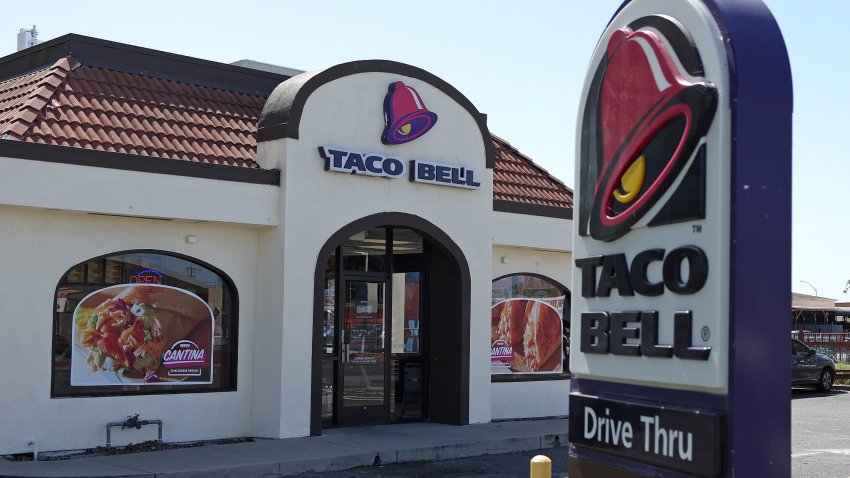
pixel 281 117
pixel 128 162
pixel 144 61
pixel 532 209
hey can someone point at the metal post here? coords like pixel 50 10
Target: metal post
pixel 541 467
pixel 810 285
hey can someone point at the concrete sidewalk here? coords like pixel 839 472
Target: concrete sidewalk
pixel 336 449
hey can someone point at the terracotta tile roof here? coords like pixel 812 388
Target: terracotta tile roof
pixel 80 106
pixel 517 179
pixel 70 104
pixel 22 99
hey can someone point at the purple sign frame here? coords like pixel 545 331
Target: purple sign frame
pixel 759 264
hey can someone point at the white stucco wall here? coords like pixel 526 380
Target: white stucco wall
pixel 38 247
pixel 536 232
pixel 549 398
pixel 69 187
pixel 347 114
pixel 554 264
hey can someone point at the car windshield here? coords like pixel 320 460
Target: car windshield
pixel 797 348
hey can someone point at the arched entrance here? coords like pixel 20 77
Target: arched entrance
pixel 391 325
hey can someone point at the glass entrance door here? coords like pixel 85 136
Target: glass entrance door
pixel 363 374
pixel 374 352
pixel 407 363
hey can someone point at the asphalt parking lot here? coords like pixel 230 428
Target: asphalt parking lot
pixel 506 465
pixel 820 436
pixel 820 447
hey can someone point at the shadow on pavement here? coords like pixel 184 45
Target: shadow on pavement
pixel 798 393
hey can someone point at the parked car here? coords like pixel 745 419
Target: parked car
pixel 811 368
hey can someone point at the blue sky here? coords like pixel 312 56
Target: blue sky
pixel 522 63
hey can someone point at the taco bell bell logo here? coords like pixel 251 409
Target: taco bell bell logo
pixel 655 109
pixel 405 115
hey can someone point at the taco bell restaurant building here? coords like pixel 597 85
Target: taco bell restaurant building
pixel 241 250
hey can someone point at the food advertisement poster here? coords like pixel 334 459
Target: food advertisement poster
pixel 142 334
pixel 527 336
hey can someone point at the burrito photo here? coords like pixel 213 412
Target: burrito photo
pixel 512 322
pixel 542 336
pixel 532 329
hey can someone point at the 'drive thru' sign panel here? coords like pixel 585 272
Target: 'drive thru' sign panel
pixel 676 439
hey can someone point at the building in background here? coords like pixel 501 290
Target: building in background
pixel 821 323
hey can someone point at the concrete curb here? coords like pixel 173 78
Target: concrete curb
pixel 338 449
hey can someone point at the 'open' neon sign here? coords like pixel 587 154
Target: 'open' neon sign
pixel 147 276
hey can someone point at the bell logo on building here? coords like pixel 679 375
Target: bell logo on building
pixel 647 112
pixel 405 115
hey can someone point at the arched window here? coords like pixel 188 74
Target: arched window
pixel 529 328
pixel 141 322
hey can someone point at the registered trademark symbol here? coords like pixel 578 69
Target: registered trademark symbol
pixel 706 333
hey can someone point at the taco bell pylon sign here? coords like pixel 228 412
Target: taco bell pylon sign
pixel 682 245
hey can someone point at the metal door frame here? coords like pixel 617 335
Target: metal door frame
pixel 340 418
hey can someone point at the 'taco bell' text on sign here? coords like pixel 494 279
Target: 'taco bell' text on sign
pixel 371 164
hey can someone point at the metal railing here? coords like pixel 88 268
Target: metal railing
pixel 132 421
pixel 809 337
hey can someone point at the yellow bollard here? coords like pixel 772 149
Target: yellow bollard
pixel 541 467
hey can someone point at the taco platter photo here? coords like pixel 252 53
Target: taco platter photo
pixel 135 334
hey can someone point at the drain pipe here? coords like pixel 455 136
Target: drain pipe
pixel 132 422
